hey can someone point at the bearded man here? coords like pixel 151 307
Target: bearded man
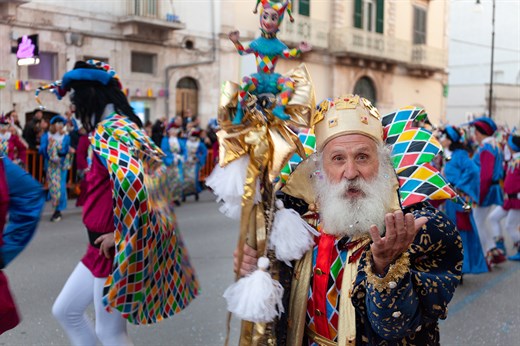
pixel 377 274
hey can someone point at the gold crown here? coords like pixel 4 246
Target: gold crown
pixel 348 114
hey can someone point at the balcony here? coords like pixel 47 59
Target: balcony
pixel 8 8
pixel 353 42
pixel 365 44
pixel 425 57
pixel 16 2
pixel 145 19
pixel 313 31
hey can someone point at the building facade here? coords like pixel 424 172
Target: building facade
pixel 174 55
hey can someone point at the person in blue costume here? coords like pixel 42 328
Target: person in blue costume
pixel 21 203
pixel 267 50
pixel 174 148
pixel 510 211
pixel 54 147
pixel 195 158
pixel 462 173
pixel 489 159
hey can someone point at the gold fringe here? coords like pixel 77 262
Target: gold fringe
pixel 396 272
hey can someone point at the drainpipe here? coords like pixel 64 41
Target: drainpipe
pixel 191 64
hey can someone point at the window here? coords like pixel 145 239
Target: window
pixel 369 10
pixel 146 8
pixel 369 15
pixel 419 25
pixel 143 62
pixel 47 69
pixel 304 7
pixel 365 88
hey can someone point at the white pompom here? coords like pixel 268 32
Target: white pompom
pixel 291 236
pixel 227 184
pixel 256 297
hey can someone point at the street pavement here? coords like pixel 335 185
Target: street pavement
pixel 484 311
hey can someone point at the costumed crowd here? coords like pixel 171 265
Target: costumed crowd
pixel 355 227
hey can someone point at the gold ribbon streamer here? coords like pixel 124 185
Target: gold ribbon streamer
pixel 270 143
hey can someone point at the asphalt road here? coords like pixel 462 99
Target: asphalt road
pixel 484 311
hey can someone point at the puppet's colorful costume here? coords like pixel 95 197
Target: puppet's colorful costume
pixel 267 50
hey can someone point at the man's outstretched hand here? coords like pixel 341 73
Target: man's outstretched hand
pixel 400 233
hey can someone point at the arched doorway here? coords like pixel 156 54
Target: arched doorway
pixel 187 97
pixel 365 87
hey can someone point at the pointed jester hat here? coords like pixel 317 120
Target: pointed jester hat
pixel 278 6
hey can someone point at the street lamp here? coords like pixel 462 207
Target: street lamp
pixel 490 105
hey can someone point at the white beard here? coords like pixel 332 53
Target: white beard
pixel 345 216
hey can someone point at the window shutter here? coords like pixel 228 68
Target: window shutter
pixel 358 15
pixel 380 15
pixel 304 7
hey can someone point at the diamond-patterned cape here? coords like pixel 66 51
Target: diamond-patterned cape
pixel 152 277
pixel 413 149
pixel 308 139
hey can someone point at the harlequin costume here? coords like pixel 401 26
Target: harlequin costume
pixel 511 208
pixel 11 145
pixel 464 175
pixel 489 160
pixel 54 147
pixel 149 277
pixel 267 50
pixel 21 203
pixel 195 158
pixel 335 298
pixel 175 150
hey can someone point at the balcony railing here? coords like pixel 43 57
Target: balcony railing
pixel 313 31
pixel 363 43
pixel 375 46
pixel 426 56
pixel 142 15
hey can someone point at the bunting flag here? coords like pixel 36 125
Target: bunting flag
pixel 308 140
pixel 19 85
pixel 413 148
pixel 3 83
pixel 152 277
